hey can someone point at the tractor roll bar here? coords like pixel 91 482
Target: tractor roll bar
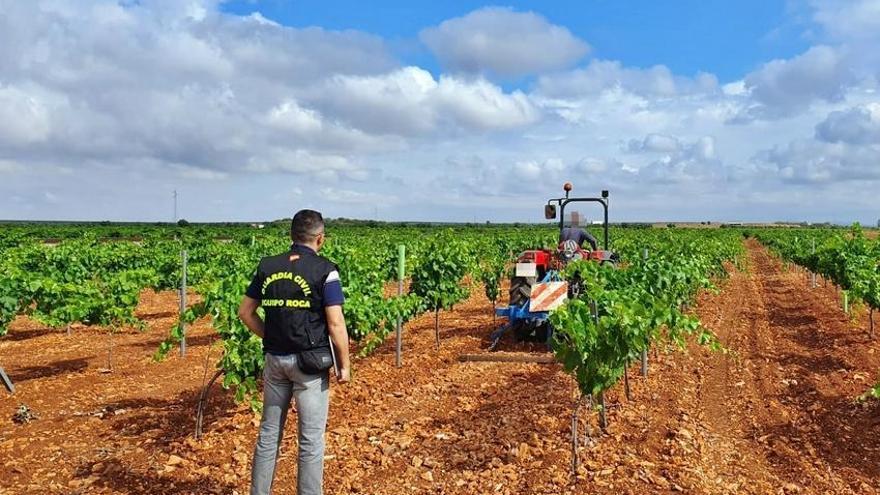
pixel 562 202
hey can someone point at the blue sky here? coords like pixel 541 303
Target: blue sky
pixel 727 38
pixel 684 110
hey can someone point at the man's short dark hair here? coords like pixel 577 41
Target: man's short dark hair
pixel 306 226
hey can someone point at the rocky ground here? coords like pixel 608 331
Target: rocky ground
pixel 774 415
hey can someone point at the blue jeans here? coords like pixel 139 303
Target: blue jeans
pixel 283 380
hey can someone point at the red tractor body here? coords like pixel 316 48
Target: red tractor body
pixel 545 259
pixel 540 257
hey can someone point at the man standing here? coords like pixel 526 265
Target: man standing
pixel 574 232
pixel 302 299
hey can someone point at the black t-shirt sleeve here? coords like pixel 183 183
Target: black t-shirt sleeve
pixel 254 290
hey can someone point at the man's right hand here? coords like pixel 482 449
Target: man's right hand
pixel 344 375
pixel 339 340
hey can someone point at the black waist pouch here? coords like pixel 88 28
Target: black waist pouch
pixel 315 361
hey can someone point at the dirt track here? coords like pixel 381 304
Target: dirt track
pixel 776 415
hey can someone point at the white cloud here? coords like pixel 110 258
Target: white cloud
pixel 24 118
pixel 736 88
pixel 482 105
pixel 654 143
pixel 704 148
pixel 400 96
pixel 325 166
pixel 51 198
pixel 858 125
pixel 180 10
pixel 528 170
pixel 701 149
pixel 522 183
pixel 834 86
pixel 359 198
pixel 674 160
pixel 260 19
pixel 123 102
pixel 200 174
pixel 602 75
pixel 501 41
pixel 835 71
pixel 7 166
pixel 850 19
pixel 289 116
pixel 810 161
pixel 174 83
pixel 589 166
pixel 782 87
pixel 844 149
pixel 412 102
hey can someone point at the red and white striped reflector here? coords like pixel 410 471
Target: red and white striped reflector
pixel 548 296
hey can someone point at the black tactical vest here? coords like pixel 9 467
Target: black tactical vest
pixel 292 296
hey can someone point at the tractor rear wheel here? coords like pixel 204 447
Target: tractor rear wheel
pixel 520 293
pixel 520 290
pixel 532 330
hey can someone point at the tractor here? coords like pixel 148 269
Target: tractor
pixel 537 286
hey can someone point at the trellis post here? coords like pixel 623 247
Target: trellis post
pixel 6 381
pixel 183 259
pixel 645 350
pixel 401 266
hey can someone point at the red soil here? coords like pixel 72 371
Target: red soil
pixel 775 415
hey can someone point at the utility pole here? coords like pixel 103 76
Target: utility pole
pixel 175 206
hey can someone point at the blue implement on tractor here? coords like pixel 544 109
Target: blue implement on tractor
pixel 521 318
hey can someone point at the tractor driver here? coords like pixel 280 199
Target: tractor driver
pixel 573 232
